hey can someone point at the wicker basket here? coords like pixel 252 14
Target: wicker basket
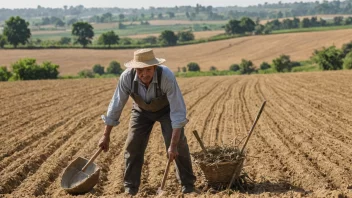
pixel 86 183
pixel 222 172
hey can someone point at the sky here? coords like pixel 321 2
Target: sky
pixel 132 3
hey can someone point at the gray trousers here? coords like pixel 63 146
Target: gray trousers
pixel 141 125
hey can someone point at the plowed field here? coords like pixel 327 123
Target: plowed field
pixel 300 147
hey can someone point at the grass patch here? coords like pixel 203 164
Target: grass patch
pixel 313 29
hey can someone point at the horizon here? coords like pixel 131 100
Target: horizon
pixel 132 4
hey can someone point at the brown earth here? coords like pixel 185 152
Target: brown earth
pixel 220 54
pixel 301 146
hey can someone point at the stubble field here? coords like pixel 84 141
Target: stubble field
pixel 220 54
pixel 301 146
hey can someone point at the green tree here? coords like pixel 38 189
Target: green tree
pixel 171 15
pixel 233 27
pixel 305 23
pixel 247 24
pixel 347 61
pixel 121 17
pixel 59 23
pixel 246 67
pixel 282 63
pixel 168 37
pixel 4 74
pixel 108 38
pixel 192 66
pixel 328 58
pixel 185 36
pixel 84 33
pixel 338 20
pixel 16 31
pixel 234 67
pixel 98 69
pixel 184 69
pixel 264 66
pixel 3 41
pixel 114 68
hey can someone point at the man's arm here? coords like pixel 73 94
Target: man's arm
pixel 177 109
pixel 116 106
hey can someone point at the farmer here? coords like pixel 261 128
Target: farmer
pixel 157 97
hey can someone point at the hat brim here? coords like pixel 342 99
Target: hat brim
pixel 136 64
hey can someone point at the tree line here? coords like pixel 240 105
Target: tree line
pixel 197 12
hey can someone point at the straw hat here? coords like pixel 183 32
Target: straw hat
pixel 144 58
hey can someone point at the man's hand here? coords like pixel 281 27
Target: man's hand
pixel 104 143
pixel 172 151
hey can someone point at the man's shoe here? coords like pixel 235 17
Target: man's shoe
pixel 189 189
pixel 130 191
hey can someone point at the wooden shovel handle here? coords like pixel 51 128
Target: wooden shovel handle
pixel 255 122
pixel 92 159
pixel 165 174
pixel 195 133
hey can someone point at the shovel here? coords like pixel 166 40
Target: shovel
pixel 81 176
pixel 161 188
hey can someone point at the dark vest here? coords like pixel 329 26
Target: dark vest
pixel 159 102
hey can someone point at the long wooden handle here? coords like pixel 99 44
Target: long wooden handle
pixel 195 133
pixel 249 135
pixel 92 159
pixel 165 174
pixel 255 122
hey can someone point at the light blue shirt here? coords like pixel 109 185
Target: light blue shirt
pixel 168 85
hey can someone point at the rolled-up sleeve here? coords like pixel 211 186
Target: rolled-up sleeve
pixel 118 100
pixel 174 95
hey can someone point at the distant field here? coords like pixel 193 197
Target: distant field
pixel 220 54
pixel 198 35
pixel 129 30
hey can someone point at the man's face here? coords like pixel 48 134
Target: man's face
pixel 146 74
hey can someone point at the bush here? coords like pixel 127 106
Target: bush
pixel 346 48
pixel 234 67
pixel 150 40
pixel 98 69
pixel 185 36
pixel 3 41
pixel 193 66
pixel 28 69
pixel 282 63
pixel 246 67
pixel 87 73
pixel 328 58
pixel 114 68
pixel 213 68
pixel 65 41
pixel 168 37
pixel 184 69
pixel 347 61
pixel 4 74
pixel 264 66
